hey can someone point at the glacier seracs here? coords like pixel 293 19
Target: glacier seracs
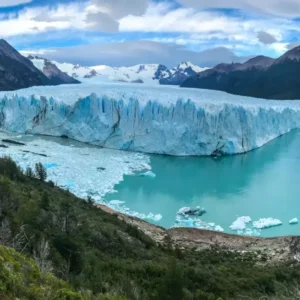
pixel 160 120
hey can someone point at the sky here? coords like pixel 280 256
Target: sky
pixel 128 32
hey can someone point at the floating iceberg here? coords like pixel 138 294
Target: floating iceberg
pixel 266 223
pixel 190 211
pixel 240 224
pixel 293 221
pixel 162 120
pixel 148 174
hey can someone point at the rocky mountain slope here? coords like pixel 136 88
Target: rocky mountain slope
pixel 261 77
pixel 51 71
pixel 16 71
pixel 179 74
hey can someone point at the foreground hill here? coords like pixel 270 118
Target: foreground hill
pixel 260 77
pixel 98 252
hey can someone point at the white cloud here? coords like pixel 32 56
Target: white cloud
pixel 103 15
pixel 10 3
pixel 159 19
pixel 287 8
pixel 137 52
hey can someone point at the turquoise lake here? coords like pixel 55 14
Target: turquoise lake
pixel 261 184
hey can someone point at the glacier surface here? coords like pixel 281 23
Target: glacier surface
pixel 160 120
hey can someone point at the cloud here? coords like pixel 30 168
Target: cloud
pixel 121 8
pixel 104 14
pixel 102 22
pixel 10 3
pixel 137 52
pixel 162 18
pixel 266 38
pixel 286 8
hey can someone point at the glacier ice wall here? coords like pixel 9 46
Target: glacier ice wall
pixel 182 127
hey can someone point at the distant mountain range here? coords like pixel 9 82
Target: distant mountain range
pixel 143 73
pixel 261 77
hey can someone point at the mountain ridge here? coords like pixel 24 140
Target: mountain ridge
pixel 141 73
pixel 261 77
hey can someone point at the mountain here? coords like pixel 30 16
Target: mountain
pixel 179 74
pixel 16 71
pixel 51 71
pixel 142 73
pixel 261 77
pixel 76 71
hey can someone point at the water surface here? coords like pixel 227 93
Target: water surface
pixel 260 184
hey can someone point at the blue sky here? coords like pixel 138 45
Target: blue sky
pixel 123 32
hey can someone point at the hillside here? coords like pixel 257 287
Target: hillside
pixel 260 77
pixel 21 278
pixel 98 252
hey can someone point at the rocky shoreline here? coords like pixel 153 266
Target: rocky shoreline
pixel 268 250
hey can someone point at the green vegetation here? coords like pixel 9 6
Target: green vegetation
pixel 97 256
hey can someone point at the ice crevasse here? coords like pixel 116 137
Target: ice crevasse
pixel 162 120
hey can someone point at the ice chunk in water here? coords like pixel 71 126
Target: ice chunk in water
pixel 240 223
pixel 266 223
pixel 293 221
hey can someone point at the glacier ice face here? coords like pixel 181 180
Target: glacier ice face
pixel 164 120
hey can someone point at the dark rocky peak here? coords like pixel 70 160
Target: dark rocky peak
pixel 259 62
pixel 6 50
pixel 226 67
pixel 161 72
pixel 293 54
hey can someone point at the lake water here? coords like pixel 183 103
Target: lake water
pixel 261 184
pixel 264 183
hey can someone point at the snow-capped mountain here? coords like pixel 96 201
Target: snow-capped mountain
pixel 179 74
pixel 51 71
pixel 76 71
pixel 143 73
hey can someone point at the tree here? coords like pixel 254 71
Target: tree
pixel 29 172
pixel 40 172
pixel 45 202
pixel 41 255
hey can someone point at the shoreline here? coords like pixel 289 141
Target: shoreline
pixel 275 250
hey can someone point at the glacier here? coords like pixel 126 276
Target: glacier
pixel 161 120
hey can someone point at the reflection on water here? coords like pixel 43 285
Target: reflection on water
pixel 261 183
